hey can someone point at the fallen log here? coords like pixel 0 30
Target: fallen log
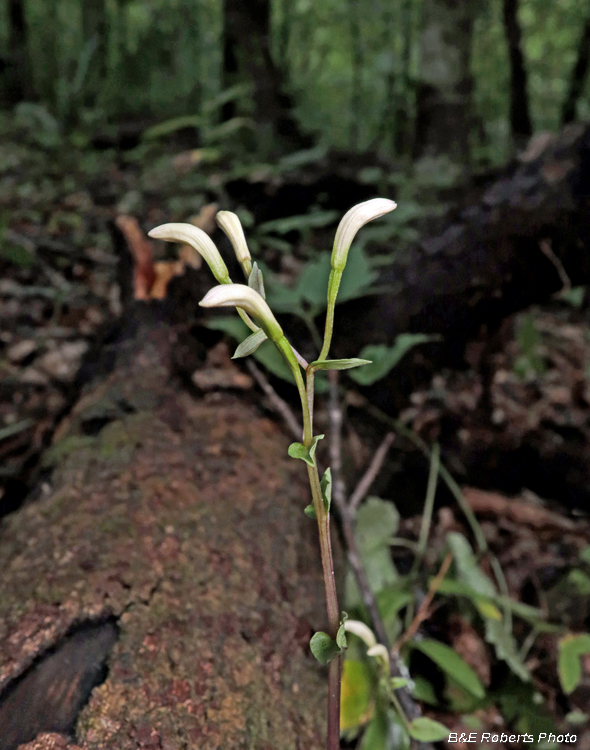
pixel 499 255
pixel 170 552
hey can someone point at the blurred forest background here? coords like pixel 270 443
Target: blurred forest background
pixel 354 74
pixel 471 298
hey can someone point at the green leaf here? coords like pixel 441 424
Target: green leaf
pixel 467 568
pixel 423 691
pixel 571 647
pixel 255 281
pixel 451 663
pixel 250 345
pixel 585 554
pixel 376 522
pixel 424 729
pixel 385 358
pixel 358 276
pixel 505 648
pixel 398 682
pixel 339 364
pixel 298 450
pixel 341 634
pixel 324 648
pixel 310 512
pixel 356 706
pixel 326 487
pixel 313 220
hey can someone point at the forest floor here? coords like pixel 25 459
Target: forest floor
pixel 515 399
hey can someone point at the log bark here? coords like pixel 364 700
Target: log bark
pixel 169 549
pixel 488 261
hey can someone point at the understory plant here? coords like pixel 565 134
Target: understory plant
pixel 250 302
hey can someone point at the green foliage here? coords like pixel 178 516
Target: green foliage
pixel 384 358
pixel 571 648
pixel 357 694
pixel 307 454
pixel 339 364
pixel 424 729
pixel 452 664
pixel 323 647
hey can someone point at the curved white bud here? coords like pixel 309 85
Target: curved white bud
pixel 239 295
pixel 232 228
pixel 362 631
pixel 351 222
pixel 198 239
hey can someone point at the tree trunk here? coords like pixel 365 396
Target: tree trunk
pixel 17 84
pixel 95 30
pixel 171 548
pixel 247 59
pixel 578 77
pixel 520 118
pixel 444 91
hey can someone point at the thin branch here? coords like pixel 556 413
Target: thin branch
pixel 279 404
pixel 547 250
pixel 371 473
pixel 335 444
pixel 422 613
pixel 397 667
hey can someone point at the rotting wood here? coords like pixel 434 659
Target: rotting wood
pixel 182 519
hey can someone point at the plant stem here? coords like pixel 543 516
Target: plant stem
pixel 335 666
pixel 333 285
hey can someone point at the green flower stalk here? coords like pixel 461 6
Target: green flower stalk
pixel 231 225
pixel 198 239
pixel 350 224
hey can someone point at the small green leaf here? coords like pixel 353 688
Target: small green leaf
pixel 339 364
pixel 249 345
pixel 451 663
pixel 255 281
pixel 341 634
pixel 398 682
pixel 298 450
pixel 585 554
pixel 571 648
pixel 326 487
pixel 324 648
pixel 424 729
pixel 310 512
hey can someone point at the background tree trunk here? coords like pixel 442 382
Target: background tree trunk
pixel 16 77
pixel 95 30
pixel 578 77
pixel 521 126
pixel 444 90
pixel 247 59
pixel 172 548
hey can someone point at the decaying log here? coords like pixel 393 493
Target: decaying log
pixel 491 260
pixel 170 549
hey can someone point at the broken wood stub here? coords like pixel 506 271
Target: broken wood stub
pixel 182 520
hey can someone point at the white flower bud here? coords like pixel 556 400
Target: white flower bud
pixel 239 295
pixel 232 227
pixel 198 239
pixel 362 631
pixel 352 221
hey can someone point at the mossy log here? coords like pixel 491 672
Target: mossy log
pixel 170 550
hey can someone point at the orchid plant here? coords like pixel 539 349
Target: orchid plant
pixel 249 300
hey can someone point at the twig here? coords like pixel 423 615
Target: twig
pixel 279 404
pixel 371 473
pixel 397 667
pixel 422 612
pixel 547 250
pixel 335 444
